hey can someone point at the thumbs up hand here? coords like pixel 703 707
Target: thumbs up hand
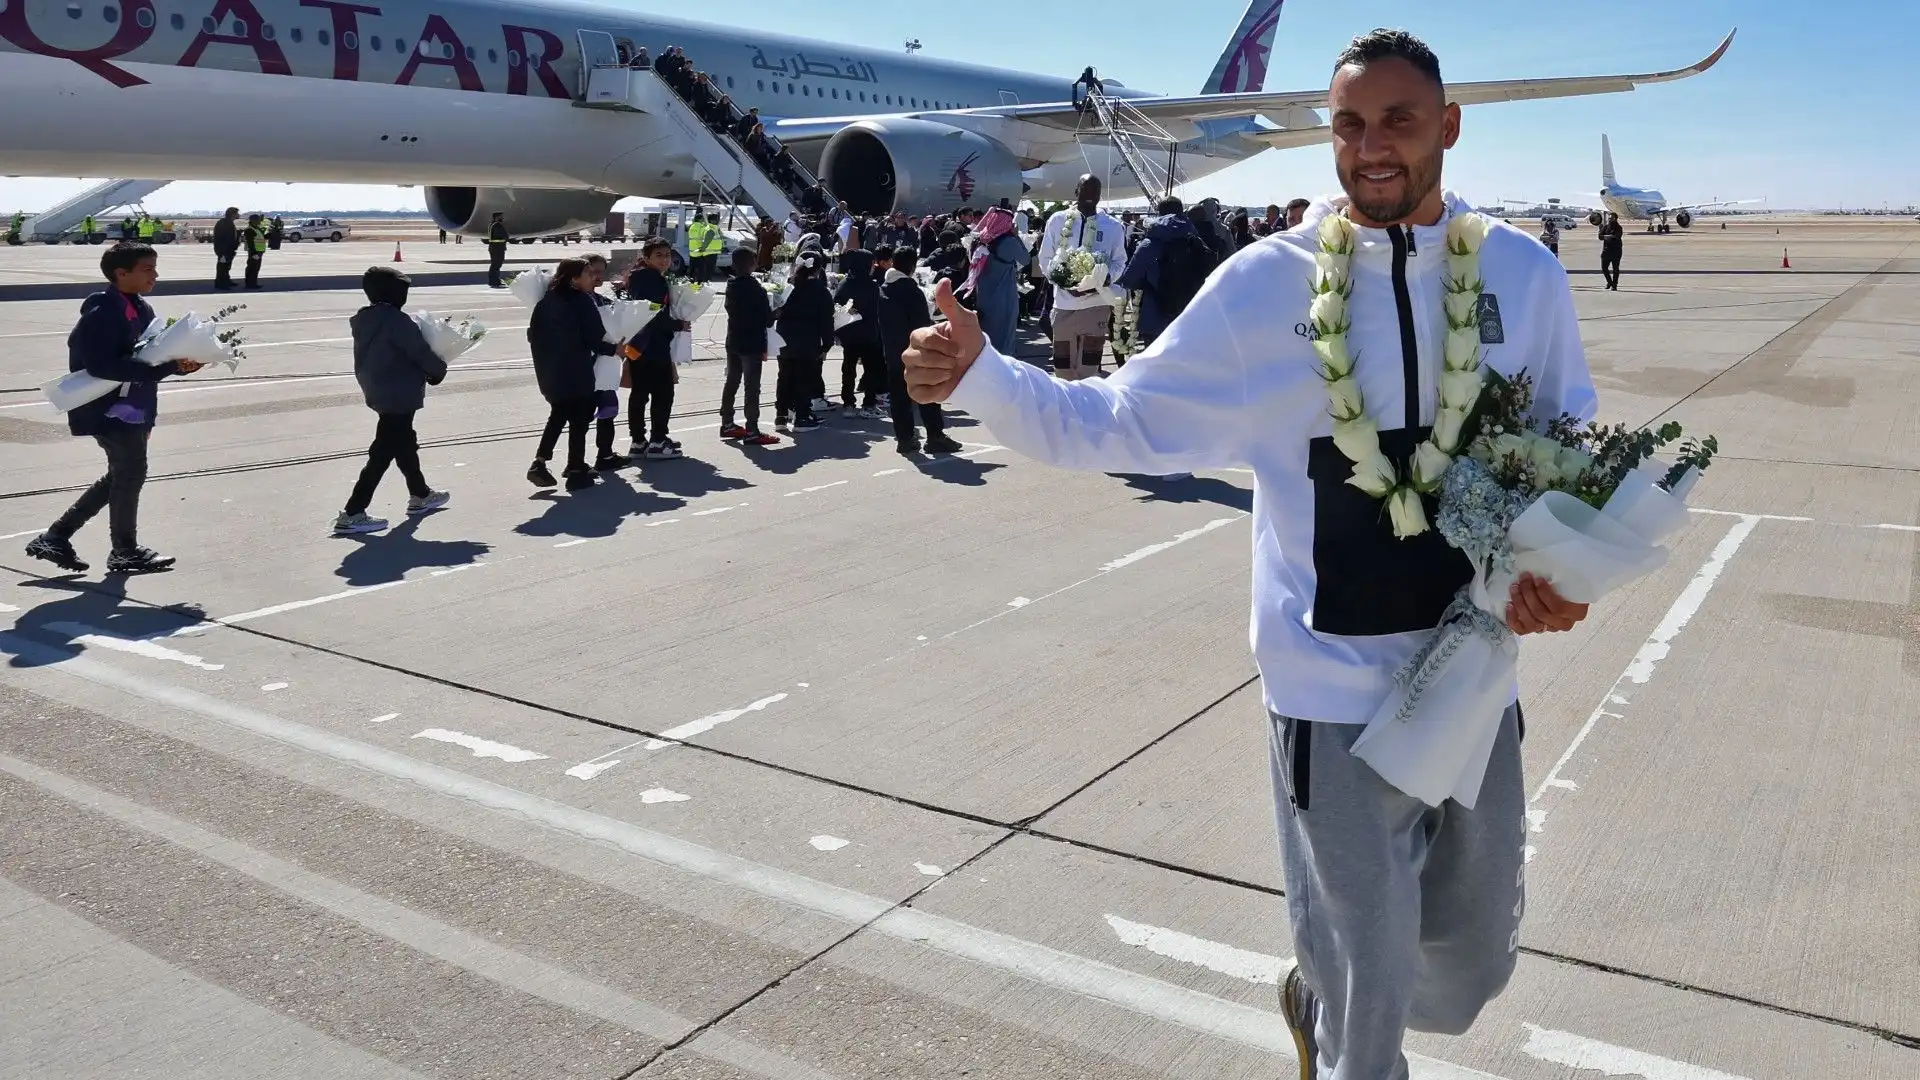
pixel 938 357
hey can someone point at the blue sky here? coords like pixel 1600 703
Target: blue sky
pixel 1804 111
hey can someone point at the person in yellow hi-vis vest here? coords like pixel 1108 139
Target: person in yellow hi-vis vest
pixel 256 244
pixel 146 230
pixel 704 244
pixel 87 228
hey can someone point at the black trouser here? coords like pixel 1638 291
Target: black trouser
pixel 793 385
pixel 574 416
pixel 742 368
pixel 651 397
pixel 394 443
pixel 118 491
pixel 223 270
pixel 866 360
pixel 703 266
pixel 496 256
pixel 904 407
pixel 1610 266
pixel 253 268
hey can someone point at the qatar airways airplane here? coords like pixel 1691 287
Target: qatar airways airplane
pixel 490 105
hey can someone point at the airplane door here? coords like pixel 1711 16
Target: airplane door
pixel 1008 97
pixel 597 50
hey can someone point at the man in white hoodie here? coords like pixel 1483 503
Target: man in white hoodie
pixel 1404 915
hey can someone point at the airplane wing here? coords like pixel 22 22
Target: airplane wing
pixel 1284 108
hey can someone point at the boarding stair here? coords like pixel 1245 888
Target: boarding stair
pixel 1139 140
pixel 58 220
pixel 725 166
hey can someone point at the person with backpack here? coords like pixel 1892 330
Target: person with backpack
pixel 1168 268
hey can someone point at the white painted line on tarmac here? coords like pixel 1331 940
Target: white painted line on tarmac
pixel 272 686
pixel 819 487
pixel 94 637
pixel 256 383
pixel 590 769
pixel 573 543
pixel 882 472
pixel 1018 602
pixel 8 608
pixel 18 535
pixel 1580 1052
pixel 384 719
pixel 828 843
pixel 1652 651
pixel 1258 968
pixel 482 748
pixel 1154 549
pixel 1897 528
pixel 660 795
pixel 423 933
pixel 676 735
pixel 198 628
pixel 1153 998
pixel 237 321
pixel 929 869
pixel 1737 514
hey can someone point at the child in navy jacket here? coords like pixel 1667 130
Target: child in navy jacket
pixel 102 345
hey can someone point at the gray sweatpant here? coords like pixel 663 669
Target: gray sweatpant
pixel 1404 915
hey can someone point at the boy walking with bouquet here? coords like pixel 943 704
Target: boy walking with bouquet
pixel 103 345
pixel 654 374
pixel 394 365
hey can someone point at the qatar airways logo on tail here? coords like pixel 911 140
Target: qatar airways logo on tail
pixel 1247 58
pixel 962 179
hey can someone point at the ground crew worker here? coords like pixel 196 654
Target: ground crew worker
pixel 14 227
pixel 146 229
pixel 86 230
pixel 704 244
pixel 226 244
pixel 496 251
pixel 256 248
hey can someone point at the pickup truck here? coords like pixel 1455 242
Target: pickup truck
pixel 317 228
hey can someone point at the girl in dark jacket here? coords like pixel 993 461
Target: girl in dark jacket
pixel 861 368
pixel 806 325
pixel 565 335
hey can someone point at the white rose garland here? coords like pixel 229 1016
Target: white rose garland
pixel 1355 434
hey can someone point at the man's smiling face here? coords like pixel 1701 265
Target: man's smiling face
pixel 1392 127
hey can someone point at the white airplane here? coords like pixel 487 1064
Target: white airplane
pixel 521 105
pixel 1645 204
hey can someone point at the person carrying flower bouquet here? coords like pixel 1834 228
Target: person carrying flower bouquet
pixel 565 334
pixel 394 365
pixel 653 375
pixel 1330 362
pixel 102 344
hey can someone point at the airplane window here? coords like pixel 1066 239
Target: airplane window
pixel 239 29
pixel 73 11
pixel 493 56
pixel 350 41
pixel 806 91
pixel 836 93
pixel 266 31
pixel 513 58
pixel 178 22
pixel 207 25
pixel 760 85
pixel 729 82
pixel 144 17
pixel 470 52
pixel 374 42
pixel 110 14
pixel 399 45
pixel 297 35
pixel 322 36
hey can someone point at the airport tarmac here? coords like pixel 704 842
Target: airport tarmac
pixel 819 762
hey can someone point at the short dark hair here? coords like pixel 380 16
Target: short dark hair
pixel 1301 203
pixel 126 257
pixel 653 244
pixel 565 273
pixel 1170 205
pixel 1385 44
pixel 883 253
pixel 383 284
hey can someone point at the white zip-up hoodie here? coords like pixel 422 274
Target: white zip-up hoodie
pixel 1338 603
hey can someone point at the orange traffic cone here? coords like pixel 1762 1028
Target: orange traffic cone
pixel 1784 264
pixel 396 252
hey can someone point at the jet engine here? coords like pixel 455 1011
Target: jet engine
pixel 1683 218
pixel 917 167
pixel 1595 218
pixel 529 211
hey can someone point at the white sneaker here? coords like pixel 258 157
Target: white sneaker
pixel 637 449
pixel 663 449
pixel 431 501
pixel 350 524
pixel 821 405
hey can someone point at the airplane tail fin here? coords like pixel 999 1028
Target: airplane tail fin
pixel 1242 67
pixel 1606 163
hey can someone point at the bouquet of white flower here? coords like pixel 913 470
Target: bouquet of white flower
pixel 686 302
pixel 1077 269
pixel 528 286
pixel 844 316
pixel 1583 507
pixel 783 253
pixel 449 339
pixel 188 337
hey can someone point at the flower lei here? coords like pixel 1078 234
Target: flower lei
pixel 1357 435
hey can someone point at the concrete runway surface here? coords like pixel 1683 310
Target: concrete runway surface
pixel 818 762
